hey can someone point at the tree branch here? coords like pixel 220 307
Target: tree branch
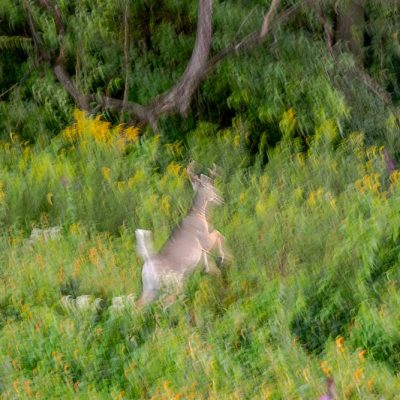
pixel 65 79
pixel 136 109
pixel 20 82
pixel 252 39
pixel 59 70
pixel 268 18
pixel 178 97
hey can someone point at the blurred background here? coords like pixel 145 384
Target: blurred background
pixel 102 106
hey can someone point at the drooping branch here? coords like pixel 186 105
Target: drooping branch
pixel 253 39
pixel 58 68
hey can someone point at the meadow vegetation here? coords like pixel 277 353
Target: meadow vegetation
pixel 313 290
pixel 304 127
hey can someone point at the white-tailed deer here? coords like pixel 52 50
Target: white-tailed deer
pixel 189 244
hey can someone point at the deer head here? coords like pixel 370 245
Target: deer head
pixel 204 185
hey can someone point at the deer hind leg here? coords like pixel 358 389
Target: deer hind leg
pixel 151 285
pixel 146 298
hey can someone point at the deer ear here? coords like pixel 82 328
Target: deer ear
pixel 213 172
pixel 195 181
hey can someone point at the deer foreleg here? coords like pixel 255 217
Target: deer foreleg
pixel 217 239
pixel 210 267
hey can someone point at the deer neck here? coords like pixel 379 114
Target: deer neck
pixel 199 207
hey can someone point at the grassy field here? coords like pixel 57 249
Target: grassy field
pixel 313 290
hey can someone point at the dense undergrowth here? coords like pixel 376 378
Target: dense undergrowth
pixel 313 290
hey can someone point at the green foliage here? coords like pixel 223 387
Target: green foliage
pixel 313 288
pixel 11 42
pixel 311 212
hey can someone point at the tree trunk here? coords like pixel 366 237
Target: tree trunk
pixel 350 27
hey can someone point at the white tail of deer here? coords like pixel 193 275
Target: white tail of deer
pixel 189 244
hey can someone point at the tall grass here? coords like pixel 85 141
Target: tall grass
pixel 313 290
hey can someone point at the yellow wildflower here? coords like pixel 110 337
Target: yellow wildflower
pixel 325 368
pixel 50 198
pixel 153 200
pixel 306 374
pixel 361 355
pixel 74 229
pixel 358 375
pixel 298 193
pixel 261 207
pixel 173 169
pixel 288 121
pixel 106 173
pixel 300 159
pixel 15 385
pixel 394 178
pixel 77 267
pixel 93 257
pixel 359 186
pixel 328 129
pixel 121 185
pixel 131 133
pixel 339 343
pixel 139 174
pixel 2 194
pixel 263 181
pixel 371 152
pixel 311 199
pixel 27 388
pixel 70 133
pixel 165 204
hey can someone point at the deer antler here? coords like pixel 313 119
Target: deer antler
pixel 189 170
pixel 213 172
